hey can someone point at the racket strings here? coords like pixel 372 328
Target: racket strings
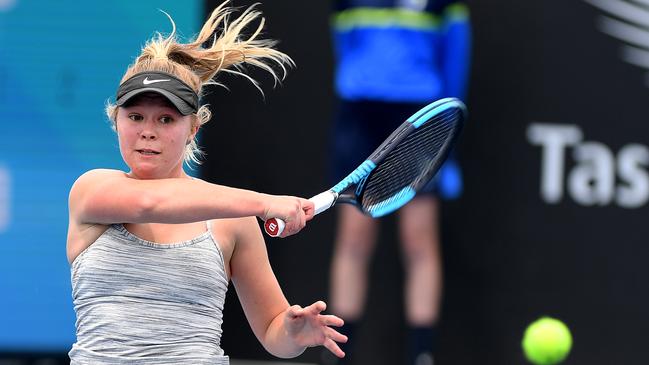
pixel 411 164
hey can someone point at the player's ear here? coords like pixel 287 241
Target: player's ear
pixel 194 128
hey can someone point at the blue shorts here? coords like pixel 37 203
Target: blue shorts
pixel 361 126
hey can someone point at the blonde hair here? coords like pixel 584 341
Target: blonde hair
pixel 197 65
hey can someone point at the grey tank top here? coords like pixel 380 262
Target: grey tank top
pixel 141 302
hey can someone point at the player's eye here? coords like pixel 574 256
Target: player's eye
pixel 135 117
pixel 166 119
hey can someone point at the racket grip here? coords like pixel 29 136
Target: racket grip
pixel 274 227
pixel 323 201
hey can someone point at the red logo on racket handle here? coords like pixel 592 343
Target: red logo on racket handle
pixel 272 227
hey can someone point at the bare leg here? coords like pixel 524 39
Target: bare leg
pixel 419 231
pixel 355 242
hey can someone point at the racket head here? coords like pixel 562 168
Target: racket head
pixel 406 161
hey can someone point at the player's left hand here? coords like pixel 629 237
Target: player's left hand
pixel 309 328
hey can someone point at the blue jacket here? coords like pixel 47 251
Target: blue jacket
pixel 401 50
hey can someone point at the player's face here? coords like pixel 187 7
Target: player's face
pixel 152 137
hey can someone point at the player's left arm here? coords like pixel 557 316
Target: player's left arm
pixel 284 331
pixel 456 48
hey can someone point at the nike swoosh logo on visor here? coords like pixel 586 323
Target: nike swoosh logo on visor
pixel 146 81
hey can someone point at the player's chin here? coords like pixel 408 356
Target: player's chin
pixel 146 170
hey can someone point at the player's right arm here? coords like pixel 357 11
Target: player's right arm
pixel 111 196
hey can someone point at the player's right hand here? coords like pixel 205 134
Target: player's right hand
pixel 294 211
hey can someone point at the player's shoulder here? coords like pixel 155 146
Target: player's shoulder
pixel 240 235
pixel 247 225
pixel 94 176
pixel 246 231
pixel 94 173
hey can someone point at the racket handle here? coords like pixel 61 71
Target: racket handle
pixel 274 227
pixel 323 201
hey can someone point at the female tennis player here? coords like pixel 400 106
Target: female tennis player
pixel 152 250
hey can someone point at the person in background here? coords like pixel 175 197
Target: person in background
pixel 152 250
pixel 392 57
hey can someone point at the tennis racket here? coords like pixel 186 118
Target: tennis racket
pixel 402 165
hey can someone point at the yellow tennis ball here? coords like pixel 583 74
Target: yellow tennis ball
pixel 547 341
